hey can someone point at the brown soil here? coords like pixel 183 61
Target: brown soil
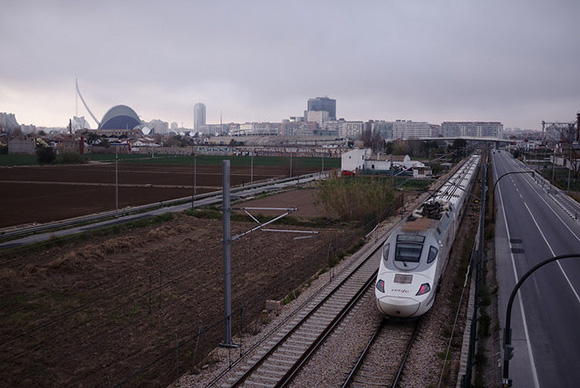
pixel 48 193
pixel 111 310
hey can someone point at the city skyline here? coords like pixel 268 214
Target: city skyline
pixel 517 62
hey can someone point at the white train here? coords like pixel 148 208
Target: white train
pixel 415 254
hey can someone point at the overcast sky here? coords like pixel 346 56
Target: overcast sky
pixel 514 61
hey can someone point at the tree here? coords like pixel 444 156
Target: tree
pixel 45 155
pixel 400 147
pixel 366 137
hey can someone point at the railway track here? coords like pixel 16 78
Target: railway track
pixel 382 361
pixel 275 361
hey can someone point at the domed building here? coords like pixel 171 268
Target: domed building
pixel 120 117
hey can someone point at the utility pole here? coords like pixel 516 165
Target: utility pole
pixel 227 256
pixel 227 240
pixel 116 180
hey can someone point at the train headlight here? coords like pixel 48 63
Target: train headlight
pixel 381 285
pixel 425 288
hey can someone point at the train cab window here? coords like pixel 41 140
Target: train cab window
pixel 386 248
pixel 409 248
pixel 432 254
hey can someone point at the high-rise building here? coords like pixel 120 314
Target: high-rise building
pixel 198 116
pixel 323 104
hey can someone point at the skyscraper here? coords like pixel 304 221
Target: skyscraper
pixel 323 104
pixel 198 116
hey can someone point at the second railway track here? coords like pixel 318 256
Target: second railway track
pixel 284 355
pixel 382 361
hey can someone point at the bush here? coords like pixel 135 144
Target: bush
pixel 71 157
pixel 352 198
pixel 45 155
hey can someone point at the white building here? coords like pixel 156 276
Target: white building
pixel 362 159
pixel 354 161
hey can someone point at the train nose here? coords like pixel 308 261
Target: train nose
pixel 398 307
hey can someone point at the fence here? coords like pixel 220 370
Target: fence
pixel 159 309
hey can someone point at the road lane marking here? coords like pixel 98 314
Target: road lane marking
pixel 552 210
pixel 521 303
pixel 553 254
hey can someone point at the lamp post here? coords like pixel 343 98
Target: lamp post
pixel 507 346
pixel 194 180
pixel 116 180
pixel 495 184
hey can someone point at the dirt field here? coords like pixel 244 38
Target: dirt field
pixel 111 310
pixel 48 193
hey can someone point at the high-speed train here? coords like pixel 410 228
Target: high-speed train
pixel 415 254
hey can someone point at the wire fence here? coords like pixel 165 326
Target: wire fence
pixel 148 331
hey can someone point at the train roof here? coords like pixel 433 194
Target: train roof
pixel 445 198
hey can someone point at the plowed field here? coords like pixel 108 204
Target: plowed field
pixel 49 193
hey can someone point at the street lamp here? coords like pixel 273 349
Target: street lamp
pixel 495 184
pixel 194 180
pixel 116 180
pixel 507 346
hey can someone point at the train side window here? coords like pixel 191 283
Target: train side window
pixel 432 254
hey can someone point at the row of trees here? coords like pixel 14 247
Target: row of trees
pixel 47 155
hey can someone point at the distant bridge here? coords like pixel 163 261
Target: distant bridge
pixel 468 138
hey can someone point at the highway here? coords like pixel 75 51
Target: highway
pixel 535 222
pixel 43 232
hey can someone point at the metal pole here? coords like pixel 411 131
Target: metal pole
pixel 227 254
pixel 252 167
pixel 194 180
pixel 116 180
pixel 507 345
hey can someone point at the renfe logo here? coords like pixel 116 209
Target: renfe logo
pixel 400 290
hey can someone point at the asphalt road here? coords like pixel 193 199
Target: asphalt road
pixel 535 222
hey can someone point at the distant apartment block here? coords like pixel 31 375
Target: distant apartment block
pixel 158 126
pixel 383 128
pixel 198 116
pixel 8 121
pixel 298 128
pixel 471 128
pixel 319 117
pixel 253 129
pixel 344 129
pixel 406 129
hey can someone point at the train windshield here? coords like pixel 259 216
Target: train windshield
pixel 409 248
